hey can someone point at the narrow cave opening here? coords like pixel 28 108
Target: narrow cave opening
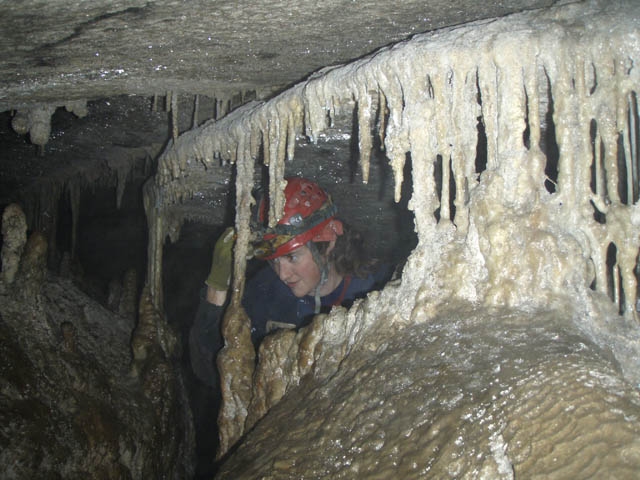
pixel 526 133
pixel 186 264
pixel 628 154
pixel 448 195
pixel 481 148
pixel 624 192
pixel 614 278
pixel 634 143
pixel 481 141
pixel 548 142
pixel 386 226
pixel 111 240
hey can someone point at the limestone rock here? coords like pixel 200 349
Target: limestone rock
pixel 33 267
pixel 68 407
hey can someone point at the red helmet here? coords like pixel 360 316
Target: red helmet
pixel 309 216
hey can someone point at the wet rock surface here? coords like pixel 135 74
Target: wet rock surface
pixel 493 394
pixel 70 407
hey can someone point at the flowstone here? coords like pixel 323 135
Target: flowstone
pixel 496 394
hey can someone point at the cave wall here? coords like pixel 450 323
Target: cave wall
pixel 87 391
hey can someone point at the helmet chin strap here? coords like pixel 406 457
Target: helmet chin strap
pixel 323 265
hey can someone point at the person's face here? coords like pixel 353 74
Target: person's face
pixel 298 271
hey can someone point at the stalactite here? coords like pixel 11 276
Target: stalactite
pixel 441 101
pixel 382 116
pixel 582 145
pixel 20 122
pixel 154 212
pixel 36 121
pixel 121 182
pixel 77 107
pixel 236 360
pixel 222 107
pixel 365 140
pixel 466 110
pixel 487 83
pixel 396 141
pixel 315 108
pixel 174 116
pixel 255 140
pixel 293 126
pixel 196 106
pixel 74 202
pixel 277 148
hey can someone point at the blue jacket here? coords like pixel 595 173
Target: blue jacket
pixel 267 299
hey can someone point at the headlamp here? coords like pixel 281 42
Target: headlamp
pixel 266 248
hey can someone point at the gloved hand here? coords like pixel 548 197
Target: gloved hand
pixel 222 261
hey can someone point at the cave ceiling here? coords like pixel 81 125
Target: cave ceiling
pixel 56 52
pixel 58 49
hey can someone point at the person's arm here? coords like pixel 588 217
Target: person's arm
pixel 216 297
pixel 205 338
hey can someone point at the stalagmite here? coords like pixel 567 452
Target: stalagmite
pixel 128 299
pixel 14 238
pixel 152 337
pixel 33 267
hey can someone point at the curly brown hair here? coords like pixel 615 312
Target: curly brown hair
pixel 349 256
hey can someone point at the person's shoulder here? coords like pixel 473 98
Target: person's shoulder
pixel 384 271
pixel 380 274
pixel 373 280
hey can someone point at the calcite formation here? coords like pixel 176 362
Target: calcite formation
pixel 522 139
pixel 527 397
